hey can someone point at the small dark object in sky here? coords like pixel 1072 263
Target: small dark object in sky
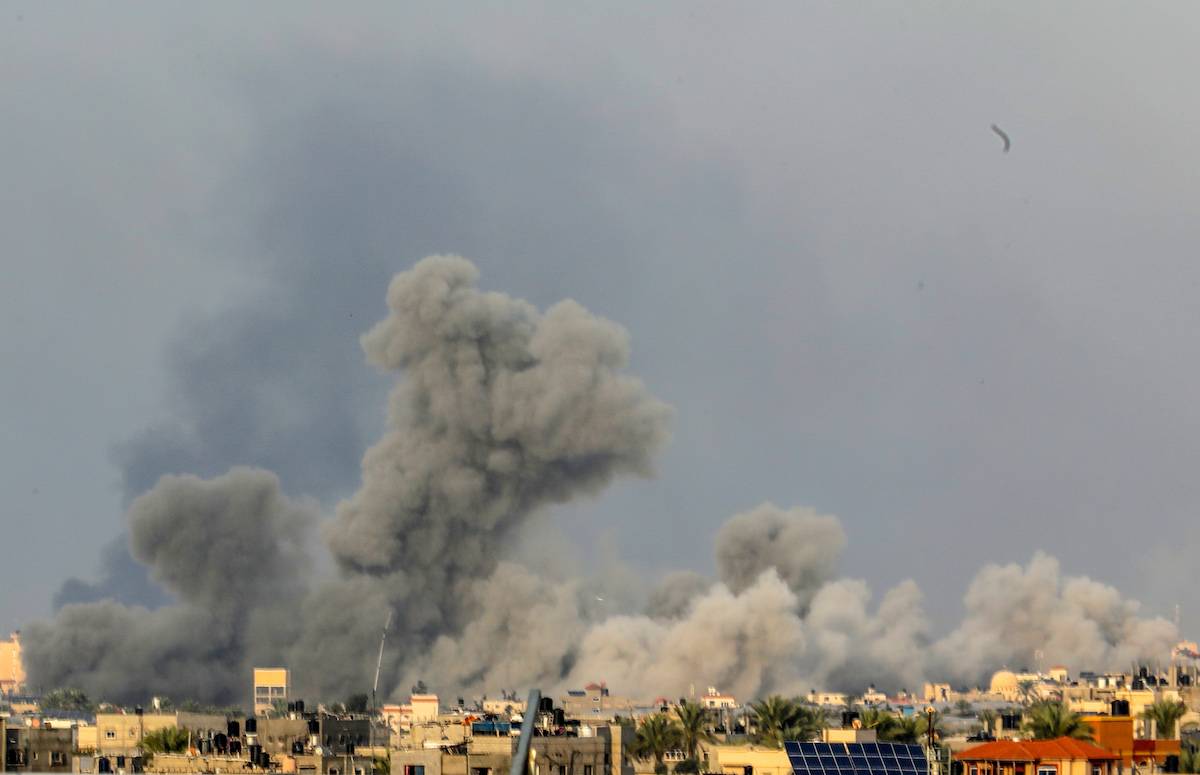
pixel 1003 136
pixel 920 285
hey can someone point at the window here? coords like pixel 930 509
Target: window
pixel 110 734
pixel 35 756
pixel 333 771
pixel 974 769
pixel 57 758
pixel 587 769
pixel 414 769
pixel 132 732
pixel 1047 769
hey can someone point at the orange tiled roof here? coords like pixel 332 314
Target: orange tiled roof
pixel 1035 750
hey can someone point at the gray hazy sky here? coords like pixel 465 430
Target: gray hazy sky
pixel 852 297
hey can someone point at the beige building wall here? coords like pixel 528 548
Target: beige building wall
pixel 734 759
pixel 120 734
pixel 271 685
pixel 424 708
pixel 12 670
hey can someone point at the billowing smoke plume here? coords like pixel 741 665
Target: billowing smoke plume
pixel 231 550
pixel 501 410
pixel 674 594
pixel 1013 612
pixel 802 546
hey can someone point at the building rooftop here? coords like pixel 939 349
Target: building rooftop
pixel 1035 750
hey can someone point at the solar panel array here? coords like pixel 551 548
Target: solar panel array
pixel 857 759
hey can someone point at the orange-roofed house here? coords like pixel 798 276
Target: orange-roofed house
pixel 1063 756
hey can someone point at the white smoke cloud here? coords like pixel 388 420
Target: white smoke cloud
pixel 1014 612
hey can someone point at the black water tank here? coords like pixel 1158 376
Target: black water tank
pixel 300 707
pixel 297 747
pixel 546 705
pixel 235 747
pixel 264 760
pixel 560 718
pixel 1120 707
pixel 221 743
pixel 849 717
pixel 314 726
pixel 233 729
pixel 251 726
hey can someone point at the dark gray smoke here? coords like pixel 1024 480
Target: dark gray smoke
pixel 230 550
pixel 500 411
pixel 121 578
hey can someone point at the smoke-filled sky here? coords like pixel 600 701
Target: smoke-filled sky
pixel 853 301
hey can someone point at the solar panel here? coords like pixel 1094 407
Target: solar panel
pixel 882 758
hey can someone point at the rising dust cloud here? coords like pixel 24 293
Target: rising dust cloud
pixel 499 411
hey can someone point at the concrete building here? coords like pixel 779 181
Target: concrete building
pixel 272 685
pixel 425 708
pixel 1116 735
pixel 715 700
pixel 594 703
pixel 598 752
pixel 503 707
pixel 747 760
pixel 12 670
pixel 38 749
pixel 120 734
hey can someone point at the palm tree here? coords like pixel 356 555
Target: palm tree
pixel 881 721
pixel 777 719
pixel 1048 719
pixel 963 708
pixel 806 723
pixel 693 727
pixel 770 717
pixel 656 735
pixel 1165 714
pixel 987 718
pixel 907 729
pixel 1027 691
pixel 166 740
pixel 1189 758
